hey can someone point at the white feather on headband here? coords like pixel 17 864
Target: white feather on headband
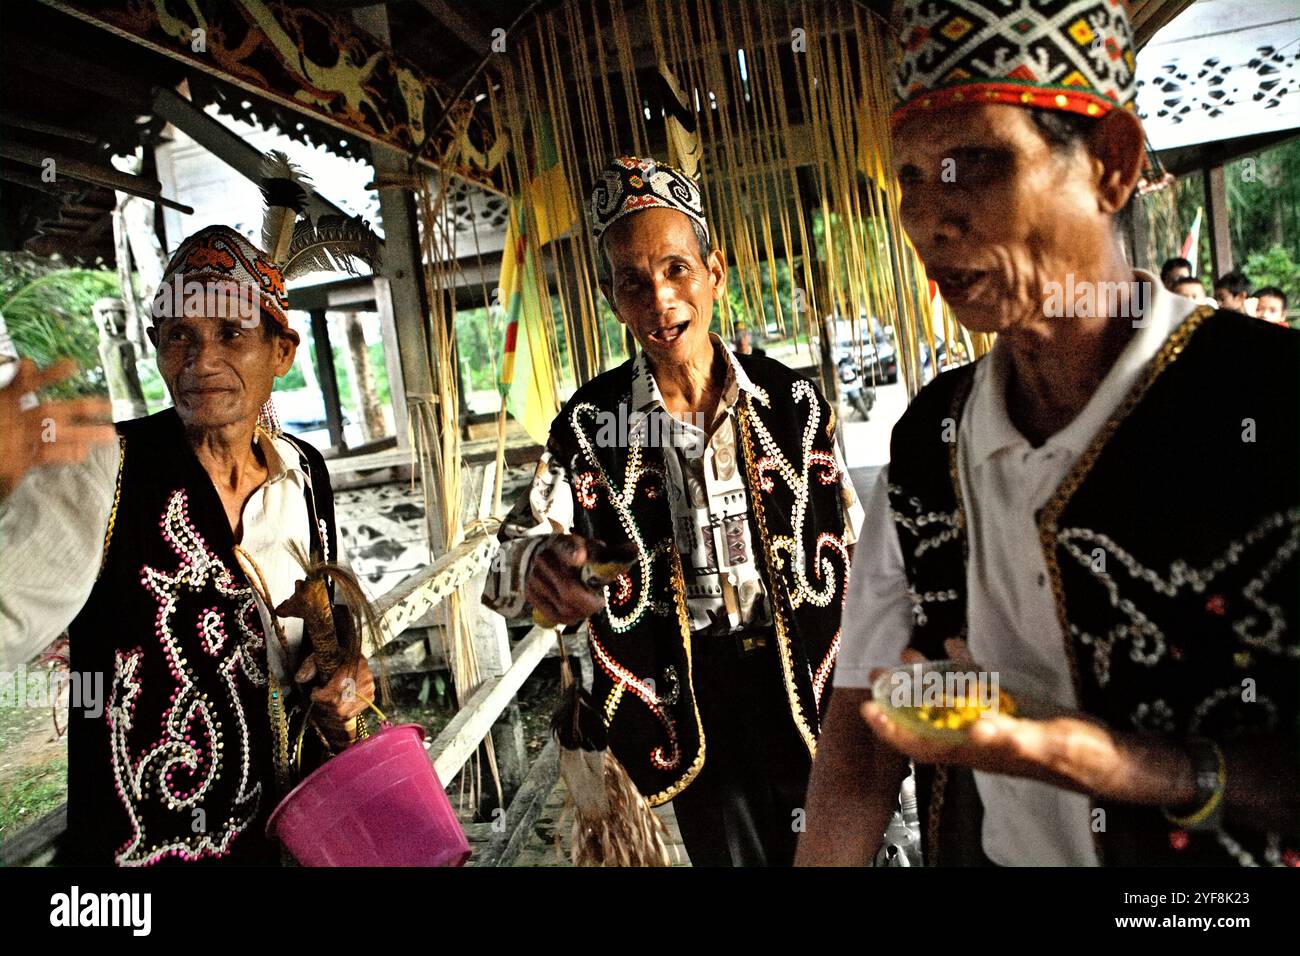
pixel 285 191
pixel 334 243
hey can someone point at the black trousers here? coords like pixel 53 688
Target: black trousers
pixel 746 806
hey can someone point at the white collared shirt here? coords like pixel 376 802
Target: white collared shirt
pixel 52 538
pixel 274 515
pixel 1011 611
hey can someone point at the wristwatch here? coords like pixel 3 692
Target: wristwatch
pixel 1210 773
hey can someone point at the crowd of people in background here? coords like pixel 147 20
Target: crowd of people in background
pixel 1231 291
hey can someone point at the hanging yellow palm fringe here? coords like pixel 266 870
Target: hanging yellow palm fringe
pixel 435 429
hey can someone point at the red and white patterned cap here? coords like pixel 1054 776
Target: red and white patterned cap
pixel 1070 55
pixel 219 254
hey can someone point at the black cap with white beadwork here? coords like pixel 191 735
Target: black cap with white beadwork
pixel 630 184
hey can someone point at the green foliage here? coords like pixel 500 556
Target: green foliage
pixel 1189 196
pixel 1264 203
pixel 1275 266
pixel 292 379
pixel 614 335
pixel 151 383
pixel 48 308
pixel 33 766
pixel 479 334
pixel 778 272
pixel 1263 192
pixel 33 792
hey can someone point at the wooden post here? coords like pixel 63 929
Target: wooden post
pixel 1135 233
pixel 492 640
pixel 117 356
pixel 403 262
pixel 329 384
pixel 404 271
pixel 827 344
pixel 362 379
pixel 392 359
pixel 499 471
pixel 122 253
pixel 403 268
pixel 492 648
pixel 1216 210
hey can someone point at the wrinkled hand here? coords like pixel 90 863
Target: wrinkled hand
pixel 1069 749
pixel 51 432
pixel 338 702
pixel 554 587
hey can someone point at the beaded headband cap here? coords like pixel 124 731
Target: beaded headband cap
pixel 630 184
pixel 1070 55
pixel 219 254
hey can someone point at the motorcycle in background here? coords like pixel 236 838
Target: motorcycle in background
pixel 854 391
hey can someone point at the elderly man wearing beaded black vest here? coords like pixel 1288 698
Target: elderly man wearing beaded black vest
pixel 1091 509
pixel 713 652
pixel 163 553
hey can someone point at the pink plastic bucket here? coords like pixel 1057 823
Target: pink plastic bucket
pixel 378 803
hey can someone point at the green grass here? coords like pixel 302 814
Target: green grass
pixel 33 767
pixel 32 793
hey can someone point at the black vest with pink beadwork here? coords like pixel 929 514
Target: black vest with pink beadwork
pixel 1172 545
pixel 641 643
pixel 178 768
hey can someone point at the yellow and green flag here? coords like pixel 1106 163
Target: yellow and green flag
pixel 528 380
pixel 554 210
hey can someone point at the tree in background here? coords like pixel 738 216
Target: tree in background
pixel 1275 267
pixel 1264 202
pixel 48 308
pixel 1263 192
pixel 1264 206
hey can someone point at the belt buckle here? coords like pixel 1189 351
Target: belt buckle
pixel 747 644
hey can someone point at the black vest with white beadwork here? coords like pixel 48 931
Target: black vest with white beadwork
pixel 178 768
pixel 1172 547
pixel 641 643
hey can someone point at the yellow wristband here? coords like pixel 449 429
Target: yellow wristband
pixel 1206 817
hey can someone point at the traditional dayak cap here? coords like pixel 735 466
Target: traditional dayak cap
pixel 220 254
pixel 629 184
pixel 292 248
pixel 1070 55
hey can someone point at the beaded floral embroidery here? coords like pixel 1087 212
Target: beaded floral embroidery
pixel 805 573
pixel 620 497
pixel 668 758
pixel 194 747
pixel 812 464
pixel 929 528
pixel 588 483
pixel 787 554
pixel 1261 624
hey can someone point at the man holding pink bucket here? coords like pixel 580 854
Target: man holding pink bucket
pixel 169 542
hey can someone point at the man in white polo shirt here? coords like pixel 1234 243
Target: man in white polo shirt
pixel 1090 508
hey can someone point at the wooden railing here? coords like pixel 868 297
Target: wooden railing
pixel 421 593
pixel 399 609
